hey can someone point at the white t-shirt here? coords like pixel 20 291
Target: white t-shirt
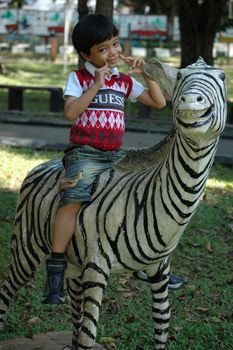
pixel 74 88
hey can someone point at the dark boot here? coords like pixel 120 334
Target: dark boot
pixel 54 289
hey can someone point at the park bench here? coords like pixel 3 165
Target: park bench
pixel 15 96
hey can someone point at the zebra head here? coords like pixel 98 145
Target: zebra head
pixel 199 101
pixel 199 97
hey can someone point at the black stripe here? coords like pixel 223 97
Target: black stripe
pixel 155 221
pixel 161 311
pixel 21 246
pixel 178 193
pixel 173 204
pixel 76 250
pixel 168 211
pixel 208 149
pixel 43 246
pixel 90 317
pixel 15 278
pixel 161 320
pixel 122 228
pixel 4 299
pixel 192 190
pixel 162 289
pixel 186 166
pixel 162 343
pixel 85 330
pixel 186 79
pixel 90 284
pixel 20 270
pixel 96 268
pixel 6 290
pixel 143 206
pixel 35 198
pixel 159 300
pixel 159 331
pixel 91 300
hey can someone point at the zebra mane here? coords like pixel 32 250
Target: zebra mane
pixel 199 64
pixel 145 158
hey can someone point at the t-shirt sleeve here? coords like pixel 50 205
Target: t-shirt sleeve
pixel 137 90
pixel 73 86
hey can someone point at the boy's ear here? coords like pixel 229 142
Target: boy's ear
pixel 85 56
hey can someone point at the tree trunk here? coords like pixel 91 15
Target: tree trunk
pixel 199 23
pixel 82 8
pixel 170 21
pixel 104 7
pixel 82 11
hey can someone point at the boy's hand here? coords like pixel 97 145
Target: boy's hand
pixel 135 64
pixel 101 74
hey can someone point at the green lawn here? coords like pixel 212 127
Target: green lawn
pixel 202 312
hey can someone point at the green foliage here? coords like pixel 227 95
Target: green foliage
pixel 202 312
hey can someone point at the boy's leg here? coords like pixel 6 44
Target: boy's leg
pixel 62 233
pixel 63 228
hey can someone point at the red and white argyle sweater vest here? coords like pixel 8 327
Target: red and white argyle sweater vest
pixel 102 124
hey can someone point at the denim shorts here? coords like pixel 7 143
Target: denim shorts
pixel 82 164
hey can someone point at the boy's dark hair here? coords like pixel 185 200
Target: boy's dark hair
pixel 91 30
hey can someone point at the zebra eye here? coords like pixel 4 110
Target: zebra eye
pixel 178 76
pixel 222 76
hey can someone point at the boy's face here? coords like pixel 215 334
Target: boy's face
pixel 106 52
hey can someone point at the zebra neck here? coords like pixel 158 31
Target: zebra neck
pixel 181 181
pixel 191 161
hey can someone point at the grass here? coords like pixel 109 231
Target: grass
pixel 202 312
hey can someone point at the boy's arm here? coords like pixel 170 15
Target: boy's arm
pixel 152 96
pixel 75 106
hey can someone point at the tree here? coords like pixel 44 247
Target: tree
pixel 82 8
pixel 104 7
pixel 199 20
pixel 16 3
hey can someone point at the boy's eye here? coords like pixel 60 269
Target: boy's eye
pixel 116 44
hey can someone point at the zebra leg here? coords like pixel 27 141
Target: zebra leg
pixel 74 289
pixel 94 282
pixel 161 308
pixel 24 264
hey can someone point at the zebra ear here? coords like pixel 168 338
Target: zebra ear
pixel 162 73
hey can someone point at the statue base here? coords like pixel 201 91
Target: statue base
pixel 45 341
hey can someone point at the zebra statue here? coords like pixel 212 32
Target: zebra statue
pixel 139 209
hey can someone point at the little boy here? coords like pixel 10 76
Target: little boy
pixel 94 100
